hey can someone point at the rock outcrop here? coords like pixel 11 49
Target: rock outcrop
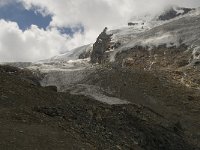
pixel 100 47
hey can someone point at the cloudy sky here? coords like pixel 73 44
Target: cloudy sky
pixel 32 30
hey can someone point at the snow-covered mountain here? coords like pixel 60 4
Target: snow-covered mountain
pixel 175 26
pixel 176 29
pixel 183 29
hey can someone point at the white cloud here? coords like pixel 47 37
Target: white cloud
pixel 6 2
pixel 94 15
pixel 34 43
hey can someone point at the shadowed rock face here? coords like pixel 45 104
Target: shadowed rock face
pixel 171 13
pixel 100 46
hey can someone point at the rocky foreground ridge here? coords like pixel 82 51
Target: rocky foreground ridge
pixel 35 117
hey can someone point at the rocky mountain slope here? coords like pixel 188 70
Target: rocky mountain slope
pixel 34 117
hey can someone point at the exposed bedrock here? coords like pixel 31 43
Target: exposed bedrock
pixel 100 46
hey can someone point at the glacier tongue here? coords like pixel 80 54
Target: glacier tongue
pixel 67 71
pixel 64 70
pixel 68 61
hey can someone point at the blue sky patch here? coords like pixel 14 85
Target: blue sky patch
pixel 71 31
pixel 25 18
